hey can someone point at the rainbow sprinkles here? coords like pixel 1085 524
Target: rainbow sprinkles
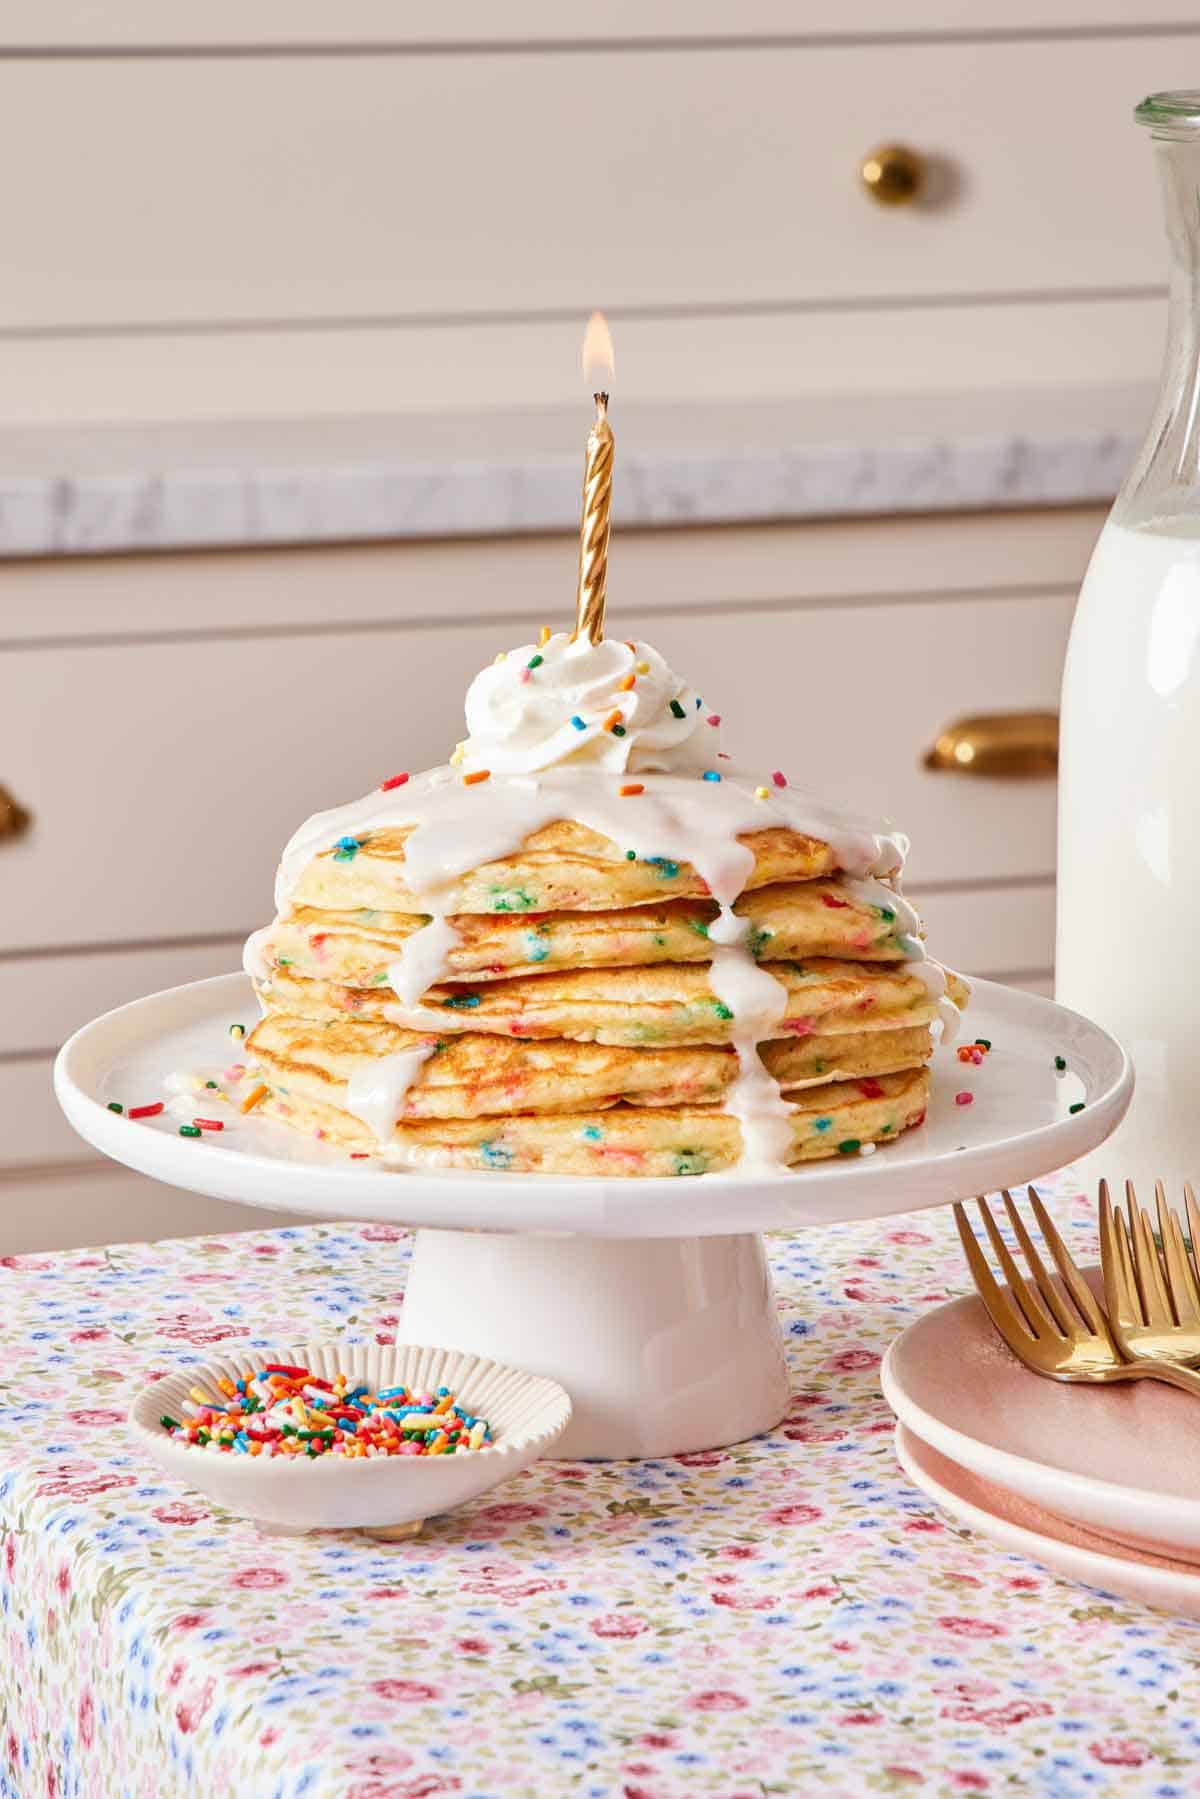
pixel 536 815
pixel 279 1409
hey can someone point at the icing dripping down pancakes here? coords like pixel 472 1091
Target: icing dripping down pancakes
pixel 590 869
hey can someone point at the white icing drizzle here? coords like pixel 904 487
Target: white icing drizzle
pixel 758 1001
pixel 424 960
pixel 907 922
pixel 253 960
pixel 544 767
pixel 377 1090
pixel 933 977
pixel 907 925
pixel 679 818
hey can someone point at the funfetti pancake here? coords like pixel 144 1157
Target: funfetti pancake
pixel 352 1066
pixel 359 948
pixel 831 1120
pixel 663 1006
pixel 590 943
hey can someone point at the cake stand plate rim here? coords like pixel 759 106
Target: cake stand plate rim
pixel 950 1158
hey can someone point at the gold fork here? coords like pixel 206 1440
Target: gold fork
pixel 1152 1295
pixel 1058 1332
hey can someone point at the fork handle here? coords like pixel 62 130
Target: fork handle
pixel 1186 1379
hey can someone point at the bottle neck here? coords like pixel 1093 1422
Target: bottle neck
pixel 1164 482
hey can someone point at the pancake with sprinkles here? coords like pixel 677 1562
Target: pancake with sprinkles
pixel 831 1119
pixel 356 947
pixel 347 1065
pixel 590 943
pixel 659 1006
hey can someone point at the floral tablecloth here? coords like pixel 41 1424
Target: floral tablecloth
pixel 787 1617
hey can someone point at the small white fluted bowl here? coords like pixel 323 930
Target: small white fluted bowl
pixel 527 1414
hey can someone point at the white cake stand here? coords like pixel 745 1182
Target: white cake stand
pixel 650 1300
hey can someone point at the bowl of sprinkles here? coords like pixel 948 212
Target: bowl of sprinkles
pixel 347 1436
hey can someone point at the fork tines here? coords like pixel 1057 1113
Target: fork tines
pixel 1044 1310
pixel 1150 1285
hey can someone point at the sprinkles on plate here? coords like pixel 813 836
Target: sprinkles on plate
pixel 283 1410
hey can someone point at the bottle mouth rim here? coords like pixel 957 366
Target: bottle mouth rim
pixel 1175 114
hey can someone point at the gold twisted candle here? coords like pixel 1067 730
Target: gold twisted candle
pixel 597 488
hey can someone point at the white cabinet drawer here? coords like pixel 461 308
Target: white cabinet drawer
pixel 345 187
pixel 70 1208
pixel 697 570
pixel 43 999
pixel 32 1127
pixel 1005 933
pixel 161 811
pixel 847 699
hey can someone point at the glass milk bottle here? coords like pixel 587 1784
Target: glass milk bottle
pixel 1129 783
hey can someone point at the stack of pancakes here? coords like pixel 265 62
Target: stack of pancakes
pixel 571 1026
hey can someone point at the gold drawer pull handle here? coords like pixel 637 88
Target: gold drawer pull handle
pixel 1011 745
pixel 893 174
pixel 14 819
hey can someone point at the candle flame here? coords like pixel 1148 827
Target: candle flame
pixel 598 367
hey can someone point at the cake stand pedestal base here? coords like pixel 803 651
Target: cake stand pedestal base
pixel 664 1344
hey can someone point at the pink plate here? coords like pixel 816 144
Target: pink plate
pixel 1123 1461
pixel 1018 1525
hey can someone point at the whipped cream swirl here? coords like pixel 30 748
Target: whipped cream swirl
pixel 557 703
pixel 552 724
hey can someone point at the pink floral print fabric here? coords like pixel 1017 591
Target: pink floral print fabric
pixel 786 1617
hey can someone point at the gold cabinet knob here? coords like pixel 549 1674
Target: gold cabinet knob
pixel 1011 745
pixel 14 819
pixel 893 174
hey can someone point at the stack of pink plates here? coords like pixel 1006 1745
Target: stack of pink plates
pixel 1098 1483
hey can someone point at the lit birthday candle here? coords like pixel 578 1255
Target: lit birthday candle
pixel 597 485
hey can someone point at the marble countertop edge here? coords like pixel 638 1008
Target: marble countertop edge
pixel 187 495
